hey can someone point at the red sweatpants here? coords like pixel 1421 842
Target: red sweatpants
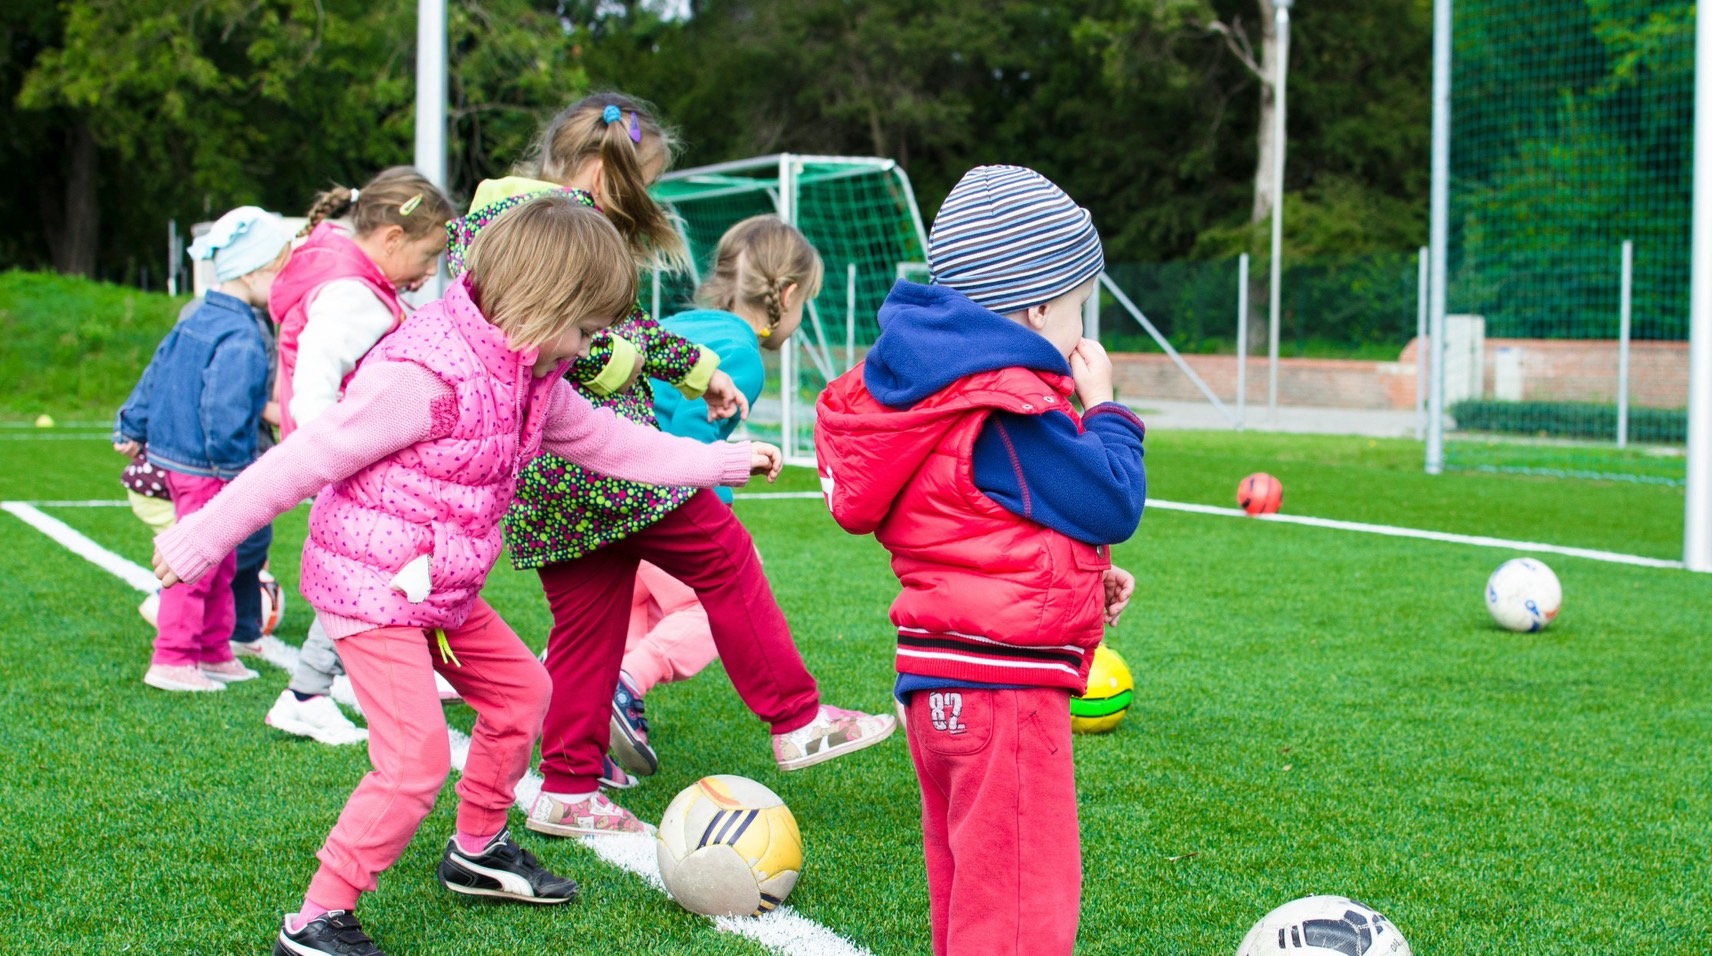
pixel 702 544
pixel 998 820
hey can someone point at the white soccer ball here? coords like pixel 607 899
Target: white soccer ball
pixel 1523 595
pixel 1324 926
pixel 729 846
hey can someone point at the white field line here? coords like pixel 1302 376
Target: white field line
pixel 782 930
pixel 1611 557
pixel 1390 531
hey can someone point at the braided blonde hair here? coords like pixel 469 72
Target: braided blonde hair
pixel 400 196
pixel 756 261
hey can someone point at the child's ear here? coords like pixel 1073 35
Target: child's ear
pixel 392 237
pixel 788 296
pixel 1035 316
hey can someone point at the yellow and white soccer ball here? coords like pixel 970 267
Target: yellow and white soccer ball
pixel 729 846
pixel 1110 690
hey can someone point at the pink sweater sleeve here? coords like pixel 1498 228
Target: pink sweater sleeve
pixel 599 440
pixel 389 406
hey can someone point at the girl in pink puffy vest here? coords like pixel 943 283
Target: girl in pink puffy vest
pixel 414 467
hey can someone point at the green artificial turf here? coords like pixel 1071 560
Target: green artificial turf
pixel 1317 711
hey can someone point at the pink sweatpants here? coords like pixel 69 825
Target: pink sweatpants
pixel 998 802
pixel 670 638
pixel 392 671
pixel 194 624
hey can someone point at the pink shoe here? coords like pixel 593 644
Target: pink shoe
pixel 834 732
pixel 185 678
pixel 559 814
pixel 228 672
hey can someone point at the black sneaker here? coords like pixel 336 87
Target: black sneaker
pixel 337 933
pixel 502 869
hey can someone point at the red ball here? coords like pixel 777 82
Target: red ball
pixel 1260 494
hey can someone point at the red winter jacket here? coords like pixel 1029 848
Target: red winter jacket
pixel 988 596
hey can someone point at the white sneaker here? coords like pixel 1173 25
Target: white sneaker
pixel 558 814
pixel 150 609
pixel 247 648
pixel 228 672
pixel 834 732
pixel 185 678
pixel 317 718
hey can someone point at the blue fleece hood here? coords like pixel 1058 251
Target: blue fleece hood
pixel 931 336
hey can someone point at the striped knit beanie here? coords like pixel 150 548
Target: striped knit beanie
pixel 1008 239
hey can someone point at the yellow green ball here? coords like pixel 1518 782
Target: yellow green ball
pixel 1110 690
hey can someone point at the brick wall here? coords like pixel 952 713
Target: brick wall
pixel 1581 370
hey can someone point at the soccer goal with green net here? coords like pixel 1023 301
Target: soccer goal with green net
pixel 859 212
pixel 1567 255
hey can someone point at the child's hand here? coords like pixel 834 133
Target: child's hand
pixel 1120 587
pixel 270 414
pixel 127 448
pixel 724 398
pixel 164 573
pixel 1092 370
pixel 766 460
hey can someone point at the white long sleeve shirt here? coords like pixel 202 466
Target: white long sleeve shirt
pixel 343 321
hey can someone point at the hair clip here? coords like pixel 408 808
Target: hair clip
pixel 635 129
pixel 410 205
pixel 354 194
pixel 611 114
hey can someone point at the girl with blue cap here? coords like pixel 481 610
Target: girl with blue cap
pixel 198 408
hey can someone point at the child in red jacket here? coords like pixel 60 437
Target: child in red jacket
pixel 957 445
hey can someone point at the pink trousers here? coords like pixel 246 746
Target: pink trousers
pixel 392 671
pixel 670 638
pixel 194 624
pixel 998 821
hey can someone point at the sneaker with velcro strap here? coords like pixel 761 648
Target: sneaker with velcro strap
pixel 502 870
pixel 336 933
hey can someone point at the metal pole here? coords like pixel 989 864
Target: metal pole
pixel 1624 312
pixel 172 257
pixel 1421 347
pixel 431 105
pixel 850 318
pixel 1438 232
pixel 1241 341
pixel 1281 22
pixel 1697 517
pixel 787 354
pixel 1091 315
pixel 654 275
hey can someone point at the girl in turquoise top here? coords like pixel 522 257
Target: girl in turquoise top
pixel 764 273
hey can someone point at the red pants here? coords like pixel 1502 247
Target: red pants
pixel 392 671
pixel 195 620
pixel 998 820
pixel 702 544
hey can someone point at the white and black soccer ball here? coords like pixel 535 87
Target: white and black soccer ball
pixel 728 846
pixel 1523 595
pixel 1324 926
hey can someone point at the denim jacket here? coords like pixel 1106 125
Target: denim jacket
pixel 199 404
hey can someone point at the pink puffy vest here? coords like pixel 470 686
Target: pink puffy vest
pixel 442 498
pixel 987 596
pixel 328 254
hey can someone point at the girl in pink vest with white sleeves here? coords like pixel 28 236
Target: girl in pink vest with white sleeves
pixel 414 467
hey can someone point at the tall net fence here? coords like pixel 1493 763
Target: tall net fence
pixel 860 215
pixel 1568 264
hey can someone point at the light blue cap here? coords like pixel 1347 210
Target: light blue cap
pixel 242 241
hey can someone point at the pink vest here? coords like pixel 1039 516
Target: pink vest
pixel 442 498
pixel 328 254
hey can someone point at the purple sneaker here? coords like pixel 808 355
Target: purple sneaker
pixel 630 730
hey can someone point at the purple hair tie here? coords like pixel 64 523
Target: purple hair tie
pixel 635 129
